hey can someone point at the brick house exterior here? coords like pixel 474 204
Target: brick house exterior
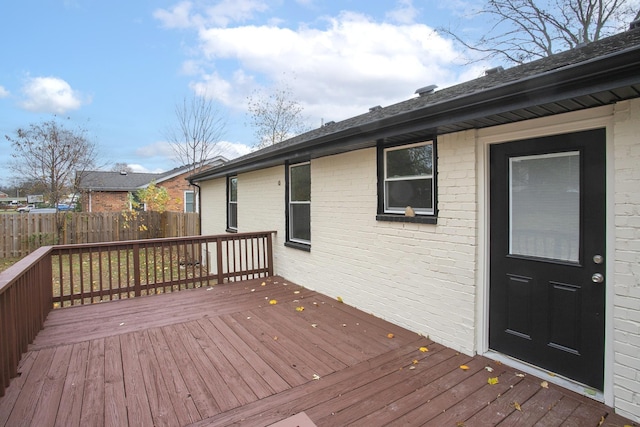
pixel 107 191
pixel 468 153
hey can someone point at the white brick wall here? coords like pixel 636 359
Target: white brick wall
pixel 419 276
pixel 627 259
pixel 213 206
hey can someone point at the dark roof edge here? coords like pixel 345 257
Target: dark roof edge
pixel 605 72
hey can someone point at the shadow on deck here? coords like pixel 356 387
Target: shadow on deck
pixel 258 352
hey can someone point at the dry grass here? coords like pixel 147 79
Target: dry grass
pixel 7 262
pixel 110 275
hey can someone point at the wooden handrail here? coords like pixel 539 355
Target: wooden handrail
pixel 25 301
pixel 65 275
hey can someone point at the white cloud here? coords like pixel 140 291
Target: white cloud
pixel 231 150
pixel 224 12
pixel 141 169
pixel 179 16
pixel 343 69
pixel 50 95
pixel 3 92
pixel 342 64
pixel 405 13
pixel 157 149
pixel 161 152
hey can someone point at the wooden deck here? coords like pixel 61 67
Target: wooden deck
pixel 227 356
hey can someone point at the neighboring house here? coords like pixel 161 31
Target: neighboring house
pixel 106 191
pixel 500 216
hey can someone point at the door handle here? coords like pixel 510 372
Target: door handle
pixel 597 278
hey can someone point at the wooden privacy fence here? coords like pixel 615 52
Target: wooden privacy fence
pixel 66 275
pixel 20 234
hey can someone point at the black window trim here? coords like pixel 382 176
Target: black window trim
pixel 231 229
pixel 287 177
pixel 381 215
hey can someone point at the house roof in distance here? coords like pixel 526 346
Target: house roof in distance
pixel 131 181
pixel 599 73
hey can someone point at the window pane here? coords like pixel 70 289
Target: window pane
pixel 233 189
pixel 545 206
pixel 233 215
pixel 188 202
pixel 299 221
pixel 413 161
pixel 300 183
pixel 416 193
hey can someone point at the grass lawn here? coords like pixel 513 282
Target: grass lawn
pixel 7 262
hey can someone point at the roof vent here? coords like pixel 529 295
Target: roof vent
pixel 123 172
pixel 426 90
pixel 634 24
pixel 330 123
pixel 376 108
pixel 494 70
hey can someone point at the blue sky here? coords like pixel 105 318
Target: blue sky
pixel 118 68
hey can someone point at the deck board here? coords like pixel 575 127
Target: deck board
pixel 224 355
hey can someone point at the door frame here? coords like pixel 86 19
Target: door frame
pixel 601 117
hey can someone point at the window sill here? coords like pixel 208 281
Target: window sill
pixel 300 246
pixel 231 230
pixel 413 219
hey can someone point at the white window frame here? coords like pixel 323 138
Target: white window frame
pixel 194 202
pixel 418 211
pixel 232 202
pixel 297 202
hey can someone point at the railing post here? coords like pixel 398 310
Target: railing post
pixel 270 252
pixel 219 260
pixel 136 270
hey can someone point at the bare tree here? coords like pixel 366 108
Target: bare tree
pixel 121 167
pixel 198 129
pixel 523 30
pixel 50 155
pixel 275 116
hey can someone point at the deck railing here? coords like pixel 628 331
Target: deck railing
pixel 60 276
pixel 25 301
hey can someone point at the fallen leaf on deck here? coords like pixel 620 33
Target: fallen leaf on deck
pixel 296 292
pixel 253 290
pixel 122 324
pixel 493 380
pixel 488 368
pixel 299 308
pixel 517 406
pixel 209 289
pixel 415 361
pixel 412 367
pixel 460 424
pixel 424 349
pixel 273 302
pixel 263 284
pixel 520 375
pixel 464 367
pixel 275 338
pixel 344 325
pixel 544 384
pixel 314 325
pixel 339 299
pixel 316 376
pixel 390 335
